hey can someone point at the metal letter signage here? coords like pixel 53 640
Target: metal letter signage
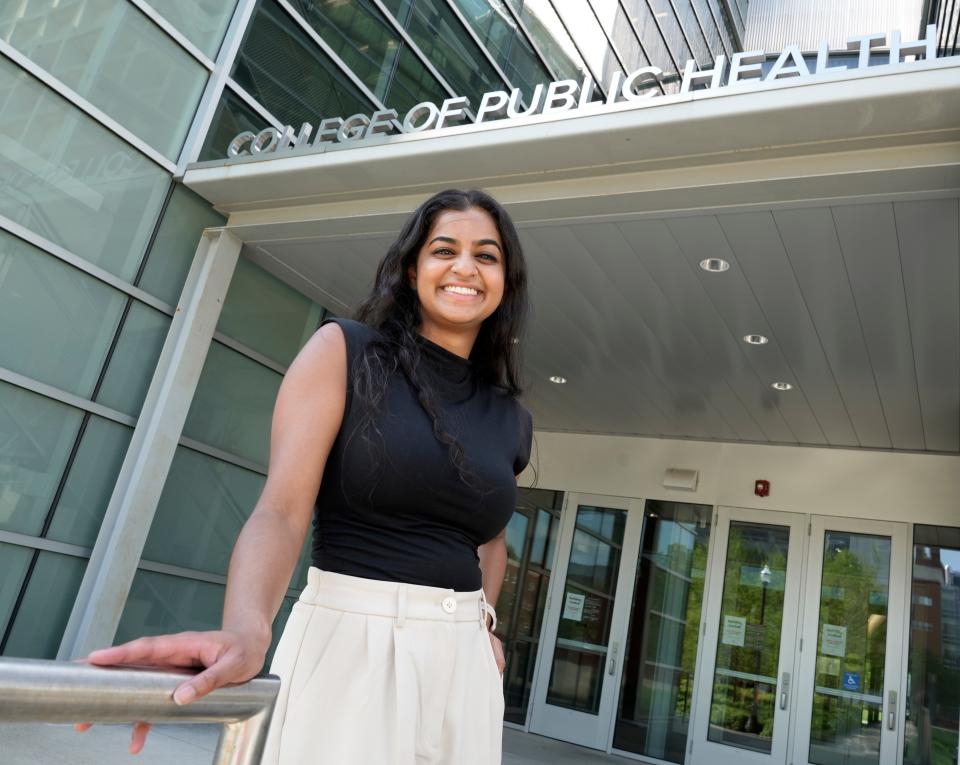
pixel 744 71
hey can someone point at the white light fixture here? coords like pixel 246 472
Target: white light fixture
pixel 681 478
pixel 557 379
pixel 782 386
pixel 714 265
pixel 756 339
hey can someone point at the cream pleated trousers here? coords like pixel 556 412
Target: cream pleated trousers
pixel 381 673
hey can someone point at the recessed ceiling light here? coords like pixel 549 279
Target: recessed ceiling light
pixel 782 386
pixel 714 265
pixel 557 379
pixel 756 339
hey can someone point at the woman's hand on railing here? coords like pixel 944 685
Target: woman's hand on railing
pixel 225 656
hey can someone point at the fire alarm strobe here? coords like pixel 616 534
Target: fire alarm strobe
pixel 761 488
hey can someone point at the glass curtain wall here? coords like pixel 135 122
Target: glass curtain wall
pixel 219 469
pixel 933 667
pixel 653 717
pixel 531 542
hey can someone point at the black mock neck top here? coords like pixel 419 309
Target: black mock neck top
pixel 393 506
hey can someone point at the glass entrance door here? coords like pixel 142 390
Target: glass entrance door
pixel 848 709
pixel 586 618
pixel 743 709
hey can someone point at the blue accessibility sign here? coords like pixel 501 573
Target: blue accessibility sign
pixel 851 681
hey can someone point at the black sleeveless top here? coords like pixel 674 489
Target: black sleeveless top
pixel 393 506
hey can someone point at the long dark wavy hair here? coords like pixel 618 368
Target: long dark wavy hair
pixel 393 308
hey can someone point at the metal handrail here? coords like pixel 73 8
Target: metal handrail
pixel 35 690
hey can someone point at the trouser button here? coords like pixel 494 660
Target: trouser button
pixel 449 605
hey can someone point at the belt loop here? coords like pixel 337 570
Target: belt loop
pixel 483 610
pixel 401 605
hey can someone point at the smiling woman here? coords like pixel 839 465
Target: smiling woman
pixel 400 435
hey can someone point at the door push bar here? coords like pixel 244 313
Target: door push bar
pixel 784 690
pixel 892 710
pixel 34 690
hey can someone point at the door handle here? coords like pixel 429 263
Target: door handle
pixel 612 667
pixel 784 690
pixel 892 710
pixel 612 664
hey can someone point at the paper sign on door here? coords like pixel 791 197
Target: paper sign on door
pixel 573 606
pixel 734 630
pixel 833 640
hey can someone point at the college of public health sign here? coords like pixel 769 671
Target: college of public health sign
pixel 568 95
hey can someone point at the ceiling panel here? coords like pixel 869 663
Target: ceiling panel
pixel 703 237
pixel 760 254
pixel 929 241
pixel 868 240
pixel 680 360
pixel 810 239
pixel 725 355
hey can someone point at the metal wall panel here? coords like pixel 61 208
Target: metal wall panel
pixel 773 24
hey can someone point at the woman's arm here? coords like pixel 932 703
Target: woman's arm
pixel 307 416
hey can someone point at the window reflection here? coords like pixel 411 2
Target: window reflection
pixel 933 684
pixel 657 686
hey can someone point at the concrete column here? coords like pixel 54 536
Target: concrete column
pixel 109 575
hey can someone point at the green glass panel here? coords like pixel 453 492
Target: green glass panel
pixel 494 26
pixel 745 675
pixel 90 482
pixel 233 404
pixel 186 216
pixel 203 505
pixel 36 436
pixel 933 684
pixel 116 58
pixel 441 37
pixel 71 180
pixel 286 71
pixel 266 314
pixel 14 561
pixel 547 30
pixel 851 650
pixel 134 359
pixel 204 24
pixel 653 717
pixel 368 44
pixel 46 605
pixel 63 319
pixel 162 603
pixel 231 118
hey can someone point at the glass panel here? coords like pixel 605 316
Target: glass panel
pixel 437 31
pixel 171 254
pixel 555 44
pixel 593 43
pixel 709 25
pixel 202 507
pixel 748 646
pixel 134 359
pixel 652 40
pixel 933 699
pixel 653 718
pixel 577 674
pixel 162 603
pixel 45 608
pixel 496 29
pixel 266 314
pixel 36 436
pixel 374 51
pixel 851 650
pixel 116 58
pixel 63 320
pixel 231 118
pixel 90 483
pixel 203 24
pixel 290 75
pixel 71 180
pixel 625 38
pixel 13 567
pixel 233 404
pixel 516 532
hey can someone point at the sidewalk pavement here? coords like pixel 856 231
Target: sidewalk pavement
pixel 40 744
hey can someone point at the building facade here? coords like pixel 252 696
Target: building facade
pixel 656 601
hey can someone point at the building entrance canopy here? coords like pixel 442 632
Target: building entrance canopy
pixel 834 199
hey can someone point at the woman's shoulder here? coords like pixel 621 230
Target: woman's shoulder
pixel 356 334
